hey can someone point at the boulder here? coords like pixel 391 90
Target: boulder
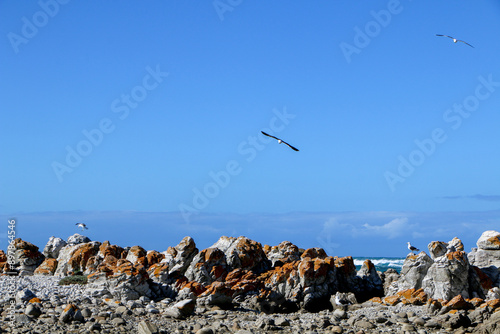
pixel 26 257
pixel 448 277
pixel 489 240
pixel 243 253
pixel 437 249
pixel 73 258
pixel 412 274
pixel 53 246
pixel 208 266
pixel 48 267
pixel 285 252
pixel 371 282
pixel 487 256
pixel 76 239
pixel 135 253
pixel 178 258
pixel 181 310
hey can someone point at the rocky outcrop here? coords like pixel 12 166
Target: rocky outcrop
pixel 414 269
pixel 240 272
pixel 448 276
pixel 486 256
pixel 25 257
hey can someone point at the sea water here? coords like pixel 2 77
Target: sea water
pixel 381 263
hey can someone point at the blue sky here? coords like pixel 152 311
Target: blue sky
pixel 144 121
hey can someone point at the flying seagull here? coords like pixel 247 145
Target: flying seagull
pixel 82 225
pixel 280 141
pixel 412 249
pixel 455 40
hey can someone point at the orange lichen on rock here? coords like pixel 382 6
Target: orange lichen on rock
pixel 314 253
pixel 412 296
pixel 458 255
pixel 35 300
pixel 391 300
pixel 48 267
pixel 345 264
pixel 459 303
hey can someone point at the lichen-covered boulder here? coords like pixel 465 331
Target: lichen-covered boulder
pixel 73 258
pixel 208 266
pixel 412 274
pixel 26 257
pixel 243 253
pixel 448 277
pixel 283 253
pixel 48 267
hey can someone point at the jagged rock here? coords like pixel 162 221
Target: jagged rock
pixel 318 279
pixel 347 279
pixel 26 257
pixel 53 246
pixel 487 256
pixel 208 266
pixel 448 277
pixel 389 276
pixel 489 240
pixel 154 257
pixel 414 269
pixel 243 253
pixel 285 252
pixel 135 253
pixel 179 257
pixel 76 239
pixel 370 280
pixel 48 267
pixel 73 258
pixel 128 282
pixel 437 249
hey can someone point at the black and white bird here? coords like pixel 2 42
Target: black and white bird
pixel 280 141
pixel 455 39
pixel 82 225
pixel 412 249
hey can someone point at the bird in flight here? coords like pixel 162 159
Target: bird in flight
pixel 412 249
pixel 455 40
pixel 280 141
pixel 82 225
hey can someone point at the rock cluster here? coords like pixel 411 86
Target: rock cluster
pixel 240 284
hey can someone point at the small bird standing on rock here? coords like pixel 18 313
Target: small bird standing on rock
pixel 82 225
pixel 412 249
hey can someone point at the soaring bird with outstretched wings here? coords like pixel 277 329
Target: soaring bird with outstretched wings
pixel 455 40
pixel 280 141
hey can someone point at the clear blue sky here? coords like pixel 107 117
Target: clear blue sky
pixel 144 120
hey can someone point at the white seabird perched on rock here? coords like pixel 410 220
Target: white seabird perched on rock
pixel 412 249
pixel 280 141
pixel 455 39
pixel 82 225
